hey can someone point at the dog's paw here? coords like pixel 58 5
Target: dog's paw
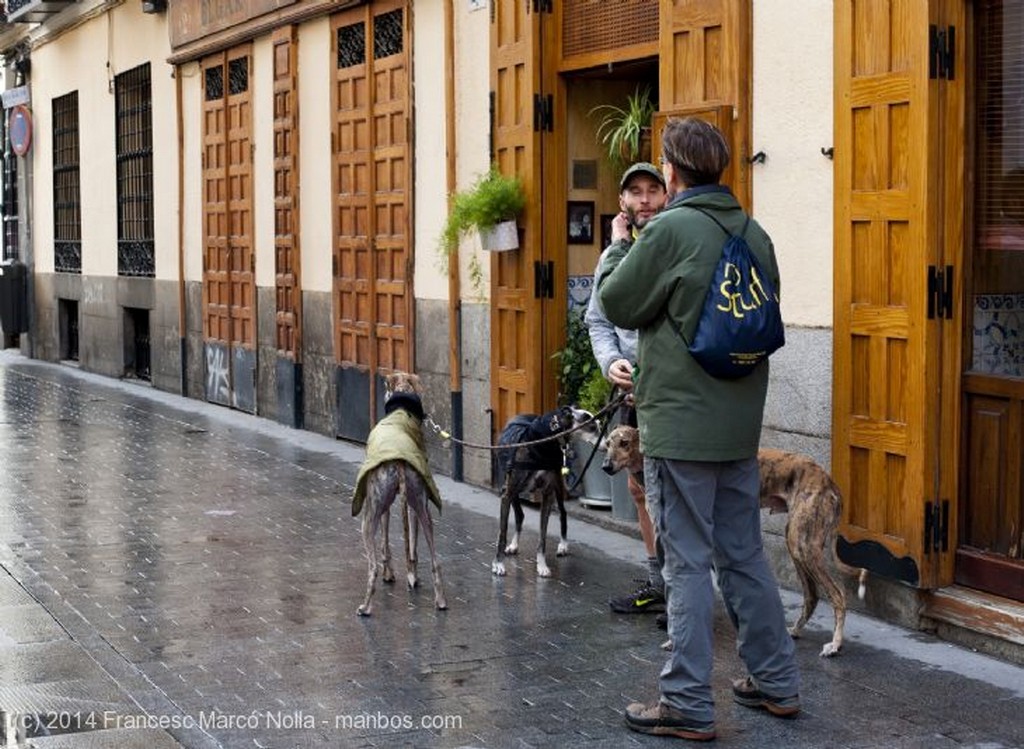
pixel 441 604
pixel 667 645
pixel 513 546
pixel 498 568
pixel 363 610
pixel 387 574
pixel 563 549
pixel 795 632
pixel 412 581
pixel 829 649
pixel 542 567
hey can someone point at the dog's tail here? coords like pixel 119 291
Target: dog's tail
pixel 860 573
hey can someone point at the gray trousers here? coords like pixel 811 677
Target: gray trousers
pixel 708 514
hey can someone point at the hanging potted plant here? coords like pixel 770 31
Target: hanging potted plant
pixel 626 131
pixel 490 206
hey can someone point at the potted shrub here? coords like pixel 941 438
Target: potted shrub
pixel 626 131
pixel 581 384
pixel 490 206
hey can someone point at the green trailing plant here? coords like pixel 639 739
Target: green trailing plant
pixel 576 362
pixel 594 392
pixel 622 129
pixel 493 198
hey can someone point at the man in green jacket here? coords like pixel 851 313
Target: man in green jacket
pixel 700 438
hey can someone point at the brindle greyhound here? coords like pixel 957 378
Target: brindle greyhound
pixel 789 483
pixel 393 478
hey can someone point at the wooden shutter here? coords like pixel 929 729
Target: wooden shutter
pixel 287 277
pixel 887 419
pixel 518 119
pixel 704 48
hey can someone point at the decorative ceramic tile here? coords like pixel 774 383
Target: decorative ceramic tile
pixel 999 334
pixel 579 291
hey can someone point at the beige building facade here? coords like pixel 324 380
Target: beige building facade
pixel 242 203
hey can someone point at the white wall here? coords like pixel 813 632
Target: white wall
pixel 792 122
pixel 428 148
pixel 472 101
pixel 315 195
pixel 78 60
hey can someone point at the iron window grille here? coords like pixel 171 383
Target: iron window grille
pixel 9 195
pixel 134 153
pixel 67 200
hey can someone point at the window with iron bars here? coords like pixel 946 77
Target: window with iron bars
pixel 67 200
pixel 133 94
pixel 9 196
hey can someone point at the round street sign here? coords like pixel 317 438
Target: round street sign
pixel 20 128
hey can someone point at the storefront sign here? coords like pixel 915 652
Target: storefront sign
pixel 20 128
pixel 15 96
pixel 194 19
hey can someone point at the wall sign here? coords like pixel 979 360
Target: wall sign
pixel 20 128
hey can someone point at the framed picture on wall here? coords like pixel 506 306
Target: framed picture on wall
pixel 606 229
pixel 581 222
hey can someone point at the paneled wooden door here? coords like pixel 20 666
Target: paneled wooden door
pixel 373 294
pixel 287 255
pixel 898 240
pixel 990 553
pixel 229 308
pixel 528 285
pixel 705 72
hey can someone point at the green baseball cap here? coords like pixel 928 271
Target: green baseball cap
pixel 641 167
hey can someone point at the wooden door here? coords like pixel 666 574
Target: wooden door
pixel 990 553
pixel 287 265
pixel 891 245
pixel 521 277
pixel 228 284
pixel 704 49
pixel 373 295
pixel 287 256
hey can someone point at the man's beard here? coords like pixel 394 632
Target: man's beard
pixel 635 221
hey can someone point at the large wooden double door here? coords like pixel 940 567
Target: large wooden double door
pixel 704 51
pixel 372 254
pixel 229 306
pixel 928 384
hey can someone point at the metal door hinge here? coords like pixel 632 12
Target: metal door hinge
pixel 940 292
pixel 490 122
pixel 941 52
pixel 544 279
pixel 543 113
pixel 936 526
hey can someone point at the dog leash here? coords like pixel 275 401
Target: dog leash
pixel 445 435
pixel 616 396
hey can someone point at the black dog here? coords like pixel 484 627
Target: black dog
pixel 536 469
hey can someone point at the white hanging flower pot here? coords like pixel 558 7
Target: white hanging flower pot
pixel 500 237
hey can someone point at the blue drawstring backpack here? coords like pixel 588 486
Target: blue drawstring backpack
pixel 740 324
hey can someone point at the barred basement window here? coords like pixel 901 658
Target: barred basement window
pixel 134 135
pixel 67 200
pixel 9 195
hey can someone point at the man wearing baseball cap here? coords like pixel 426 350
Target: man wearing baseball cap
pixel 641 195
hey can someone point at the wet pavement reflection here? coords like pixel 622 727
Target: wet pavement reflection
pixel 213 571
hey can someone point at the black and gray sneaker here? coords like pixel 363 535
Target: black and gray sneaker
pixel 644 599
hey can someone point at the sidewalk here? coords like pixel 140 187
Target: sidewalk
pixel 190 575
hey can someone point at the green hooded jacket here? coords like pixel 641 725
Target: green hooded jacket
pixel 398 436
pixel 685 413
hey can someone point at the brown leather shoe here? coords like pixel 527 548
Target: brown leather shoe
pixel 744 692
pixel 660 719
